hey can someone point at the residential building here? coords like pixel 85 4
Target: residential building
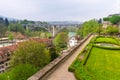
pixel 47 41
pixel 73 41
pixel 5 53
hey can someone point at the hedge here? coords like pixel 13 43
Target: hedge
pixel 78 69
pixel 105 47
pixel 87 55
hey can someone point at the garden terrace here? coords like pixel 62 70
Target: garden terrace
pixel 103 39
pixel 99 62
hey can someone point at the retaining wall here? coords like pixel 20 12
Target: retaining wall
pixel 48 69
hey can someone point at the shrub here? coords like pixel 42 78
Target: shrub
pixel 31 52
pixel 87 55
pixel 19 72
pixel 53 53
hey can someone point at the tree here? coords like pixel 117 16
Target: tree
pixel 6 22
pixel 31 52
pixel 3 27
pixel 19 72
pixel 1 20
pixel 16 27
pixel 25 21
pixel 88 27
pixel 39 29
pixel 10 37
pixel 115 19
pixel 60 41
pixel 112 30
pixel 106 19
pixel 53 53
pixel 100 21
pixel 27 32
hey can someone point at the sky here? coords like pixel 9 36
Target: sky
pixel 58 10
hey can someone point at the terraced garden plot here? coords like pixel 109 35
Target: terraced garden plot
pixel 104 64
pixel 100 62
pixel 106 40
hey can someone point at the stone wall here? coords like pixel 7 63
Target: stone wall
pixel 40 75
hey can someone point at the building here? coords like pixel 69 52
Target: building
pixel 73 41
pixel 114 15
pixel 5 53
pixel 46 41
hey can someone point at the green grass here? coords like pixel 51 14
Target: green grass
pixel 19 72
pixel 79 71
pixel 101 64
pixel 107 40
pixel 104 64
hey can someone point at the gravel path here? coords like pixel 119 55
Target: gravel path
pixel 62 73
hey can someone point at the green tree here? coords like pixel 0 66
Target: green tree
pixel 60 41
pixel 10 37
pixel 53 53
pixel 106 19
pixel 88 27
pixel 3 27
pixel 16 27
pixel 115 19
pixel 39 29
pixel 6 22
pixel 19 72
pixel 31 52
pixel 27 32
pixel 25 21
pixel 112 30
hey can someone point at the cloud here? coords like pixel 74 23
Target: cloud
pixel 58 9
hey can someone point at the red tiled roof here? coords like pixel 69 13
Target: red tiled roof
pixel 43 40
pixel 6 50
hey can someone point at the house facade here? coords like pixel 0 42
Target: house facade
pixel 5 53
pixel 73 41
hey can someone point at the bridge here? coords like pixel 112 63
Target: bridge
pixel 53 28
pixel 58 69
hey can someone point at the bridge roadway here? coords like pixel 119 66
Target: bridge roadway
pixel 62 73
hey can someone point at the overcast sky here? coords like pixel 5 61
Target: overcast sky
pixel 58 10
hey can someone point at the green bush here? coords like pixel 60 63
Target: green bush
pixel 53 53
pixel 87 55
pixel 19 72
pixel 79 71
pixel 109 39
pixel 31 52
pixel 105 47
pixel 78 68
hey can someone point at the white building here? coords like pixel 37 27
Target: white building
pixel 73 41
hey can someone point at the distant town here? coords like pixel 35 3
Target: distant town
pixel 39 50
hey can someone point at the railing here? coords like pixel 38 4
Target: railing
pixel 48 69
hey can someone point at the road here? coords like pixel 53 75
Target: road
pixel 62 73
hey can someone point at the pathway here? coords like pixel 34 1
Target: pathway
pixel 62 73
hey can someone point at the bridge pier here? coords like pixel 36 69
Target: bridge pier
pixel 53 31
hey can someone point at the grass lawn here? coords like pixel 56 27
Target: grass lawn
pixel 108 40
pixel 104 64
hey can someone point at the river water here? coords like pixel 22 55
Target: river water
pixel 70 34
